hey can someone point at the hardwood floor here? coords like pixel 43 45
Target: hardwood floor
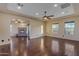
pixel 43 46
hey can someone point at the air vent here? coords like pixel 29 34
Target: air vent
pixel 65 5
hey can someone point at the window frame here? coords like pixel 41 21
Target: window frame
pixel 66 28
pixel 58 27
pixel 42 29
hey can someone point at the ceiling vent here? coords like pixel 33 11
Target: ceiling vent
pixel 65 5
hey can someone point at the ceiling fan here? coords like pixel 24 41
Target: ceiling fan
pixel 45 17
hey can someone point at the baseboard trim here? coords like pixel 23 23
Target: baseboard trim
pixel 61 38
pixel 37 37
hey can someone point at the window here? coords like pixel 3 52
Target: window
pixel 41 29
pixel 55 27
pixel 10 27
pixel 69 28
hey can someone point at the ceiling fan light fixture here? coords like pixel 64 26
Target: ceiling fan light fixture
pixel 45 18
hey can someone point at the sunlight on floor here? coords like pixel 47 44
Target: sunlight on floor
pixel 42 45
pixel 55 46
pixel 69 49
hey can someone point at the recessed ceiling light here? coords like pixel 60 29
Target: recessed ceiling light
pixel 19 7
pixel 55 5
pixel 45 18
pixel 36 13
pixel 62 12
pixel 16 22
pixel 13 19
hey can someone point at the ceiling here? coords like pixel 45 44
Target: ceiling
pixel 37 9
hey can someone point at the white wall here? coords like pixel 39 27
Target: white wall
pixel 4 28
pixel 61 28
pixel 35 28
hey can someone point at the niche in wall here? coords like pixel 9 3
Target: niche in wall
pixel 22 31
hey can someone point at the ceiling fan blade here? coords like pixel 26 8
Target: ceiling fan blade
pixel 50 15
pixel 48 18
pixel 45 17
